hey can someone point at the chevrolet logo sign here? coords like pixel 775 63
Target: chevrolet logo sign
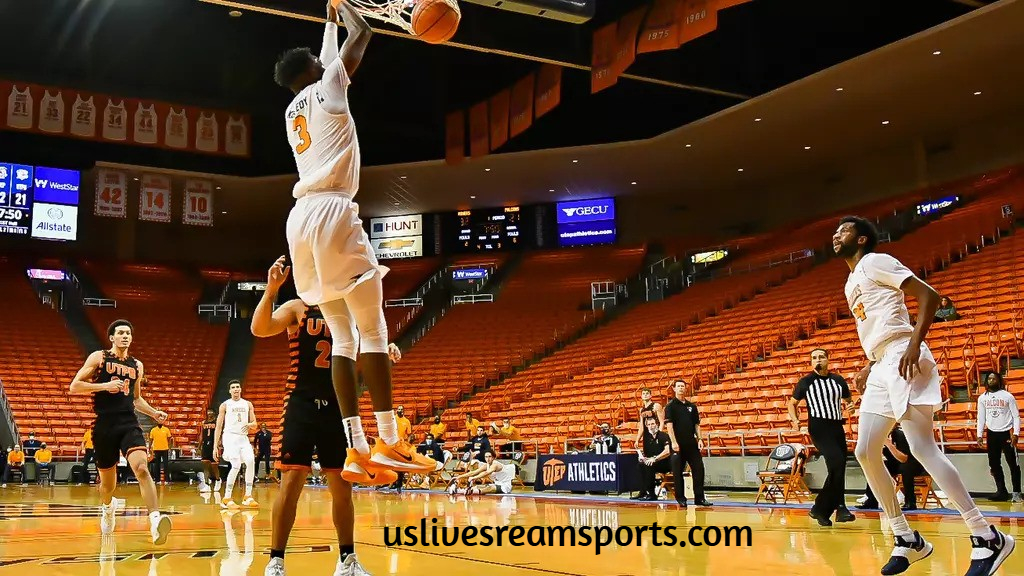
pixel 396 244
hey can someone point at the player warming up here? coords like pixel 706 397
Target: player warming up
pixel 901 384
pixel 114 379
pixel 335 267
pixel 312 420
pixel 236 418
pixel 210 466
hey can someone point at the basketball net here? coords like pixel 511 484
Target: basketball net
pixel 396 12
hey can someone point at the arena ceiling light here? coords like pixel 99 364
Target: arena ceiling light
pixel 885 122
pixel 978 93
pixel 937 53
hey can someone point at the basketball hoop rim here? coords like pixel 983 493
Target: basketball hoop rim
pixel 395 12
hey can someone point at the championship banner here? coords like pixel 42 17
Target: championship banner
pixel 198 210
pixel 521 105
pixel 155 198
pixel 698 17
pixel 549 89
pixel 499 106
pixel 72 113
pixel 626 32
pixel 479 129
pixel 111 194
pixel 455 137
pixel 602 61
pixel 660 30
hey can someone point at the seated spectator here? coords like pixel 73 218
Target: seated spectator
pixel 606 443
pixel 44 461
pixel 15 461
pixel 655 457
pixel 438 429
pixel 471 425
pixel 479 444
pixel 898 461
pixel 431 449
pixel 508 432
pixel 947 311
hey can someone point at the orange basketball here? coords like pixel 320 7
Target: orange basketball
pixel 434 21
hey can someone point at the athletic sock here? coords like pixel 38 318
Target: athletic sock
pixel 900 527
pixel 977 523
pixel 248 490
pixel 277 553
pixel 354 432
pixel 346 550
pixel 154 516
pixel 387 427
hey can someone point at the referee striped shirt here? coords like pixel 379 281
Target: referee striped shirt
pixel 823 395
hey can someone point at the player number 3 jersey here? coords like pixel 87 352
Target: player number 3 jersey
pixel 322 136
pixel 877 302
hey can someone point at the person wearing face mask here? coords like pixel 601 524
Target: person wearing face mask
pixel 438 429
pixel 606 443
pixel 480 444
pixel 405 435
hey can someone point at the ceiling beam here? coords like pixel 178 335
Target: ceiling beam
pixel 499 52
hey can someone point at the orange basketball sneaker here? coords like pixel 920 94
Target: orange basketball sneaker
pixel 359 469
pixel 401 457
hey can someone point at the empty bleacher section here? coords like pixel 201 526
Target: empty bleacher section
pixel 181 352
pixel 40 359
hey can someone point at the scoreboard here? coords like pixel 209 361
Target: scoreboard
pixel 489 229
pixel 15 199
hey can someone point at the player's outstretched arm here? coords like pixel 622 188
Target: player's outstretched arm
pixel 268 322
pixel 81 383
pixel 329 49
pixel 359 33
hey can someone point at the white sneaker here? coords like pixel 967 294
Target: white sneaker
pixel 350 567
pixel 1016 499
pixel 906 552
pixel 159 528
pixel 275 568
pixel 108 516
pixel 216 486
pixel 204 488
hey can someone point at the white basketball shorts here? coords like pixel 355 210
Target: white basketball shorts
pixel 329 249
pixel 888 393
pixel 238 449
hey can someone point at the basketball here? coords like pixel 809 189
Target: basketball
pixel 434 21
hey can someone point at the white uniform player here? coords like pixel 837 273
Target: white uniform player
pixel 83 117
pixel 902 384
pixel 236 418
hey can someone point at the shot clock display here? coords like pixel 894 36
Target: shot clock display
pixel 15 199
pixel 39 202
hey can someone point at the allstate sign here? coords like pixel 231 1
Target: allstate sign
pixel 586 210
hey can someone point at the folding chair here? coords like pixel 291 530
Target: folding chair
pixel 785 478
pixel 922 490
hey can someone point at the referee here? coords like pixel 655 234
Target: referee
pixel 824 393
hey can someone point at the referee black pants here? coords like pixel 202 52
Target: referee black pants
pixel 829 439
pixel 998 445
pixel 688 454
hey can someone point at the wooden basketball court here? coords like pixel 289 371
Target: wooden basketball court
pixel 55 531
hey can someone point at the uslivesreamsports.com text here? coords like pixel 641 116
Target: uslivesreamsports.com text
pixel 597 536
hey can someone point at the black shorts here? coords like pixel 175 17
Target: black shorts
pixel 207 453
pixel 313 424
pixel 114 435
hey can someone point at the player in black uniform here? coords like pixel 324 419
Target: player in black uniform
pixel 114 379
pixel 211 468
pixel 312 421
pixel 648 409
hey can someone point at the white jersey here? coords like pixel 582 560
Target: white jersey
pixel 51 113
pixel 115 121
pixel 876 300
pixel 83 117
pixel 145 125
pixel 236 140
pixel 322 135
pixel 997 411
pixel 206 133
pixel 176 129
pixel 504 476
pixel 19 108
pixel 236 418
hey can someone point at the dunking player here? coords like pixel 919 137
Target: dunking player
pixel 236 418
pixel 335 267
pixel 114 380
pixel 207 433
pixel 312 420
pixel 902 384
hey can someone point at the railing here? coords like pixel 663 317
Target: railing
pixel 792 257
pixel 216 310
pixel 434 279
pixel 403 302
pixel 224 292
pixel 6 407
pixel 472 298
pixel 99 302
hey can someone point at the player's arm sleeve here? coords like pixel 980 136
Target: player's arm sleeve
pixel 800 391
pixel 847 395
pixel 886 270
pixel 333 88
pixel 981 418
pixel 329 49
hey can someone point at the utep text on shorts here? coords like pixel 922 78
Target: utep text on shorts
pixel 597 536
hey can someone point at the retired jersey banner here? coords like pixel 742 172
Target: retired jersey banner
pixel 499 105
pixel 111 194
pixel 549 89
pixel 625 37
pixel 660 30
pixel 155 198
pixel 198 210
pixel 73 113
pixel 521 105
pixel 478 130
pixel 602 60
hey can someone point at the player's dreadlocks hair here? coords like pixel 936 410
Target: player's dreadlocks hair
pixel 864 228
pixel 290 65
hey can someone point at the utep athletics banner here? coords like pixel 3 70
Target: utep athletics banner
pixel 586 222
pixel 588 472
pixel 398 247
pixel 394 226
pixel 469 274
